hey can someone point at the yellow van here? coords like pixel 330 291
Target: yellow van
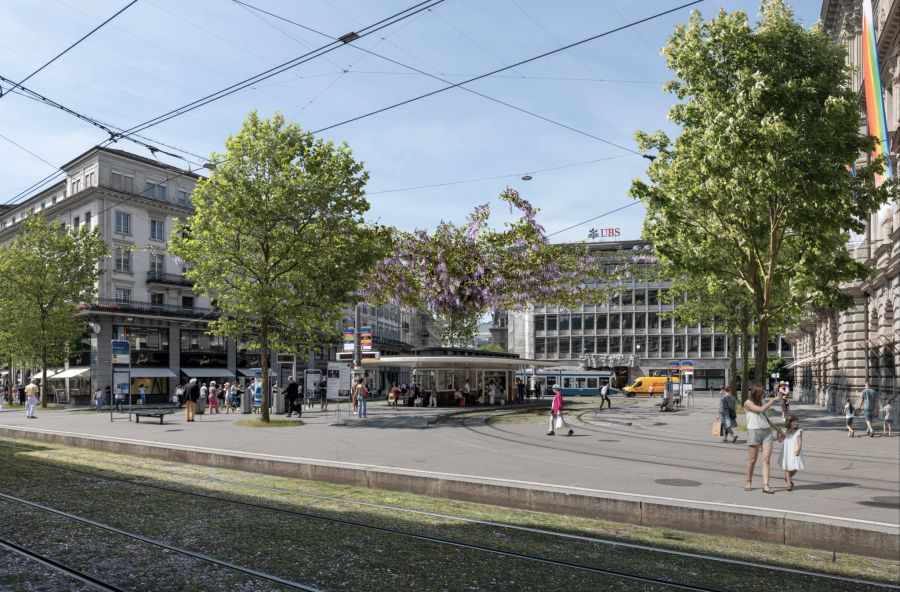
pixel 644 384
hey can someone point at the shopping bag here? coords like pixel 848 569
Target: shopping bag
pixel 559 422
pixel 717 428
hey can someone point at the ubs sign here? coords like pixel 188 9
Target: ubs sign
pixel 595 233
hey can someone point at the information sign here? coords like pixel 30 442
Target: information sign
pixel 365 338
pixel 687 367
pixel 121 352
pixel 349 339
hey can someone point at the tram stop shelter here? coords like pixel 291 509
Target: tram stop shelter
pixel 447 369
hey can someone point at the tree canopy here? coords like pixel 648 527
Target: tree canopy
pixel 758 193
pixel 50 269
pixel 278 239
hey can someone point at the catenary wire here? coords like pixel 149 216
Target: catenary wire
pixel 604 214
pixel 445 81
pixel 72 46
pixel 528 60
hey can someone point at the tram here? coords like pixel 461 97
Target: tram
pixel 572 382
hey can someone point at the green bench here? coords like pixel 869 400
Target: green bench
pixel 160 413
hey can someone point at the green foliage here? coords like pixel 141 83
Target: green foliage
pixel 51 269
pixel 278 239
pixel 492 347
pixel 755 198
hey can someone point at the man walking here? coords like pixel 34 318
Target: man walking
pixel 293 391
pixel 728 414
pixel 32 391
pixel 98 399
pixel 604 393
pixel 142 391
pixel 191 398
pixel 869 405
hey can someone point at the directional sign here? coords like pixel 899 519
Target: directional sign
pixel 365 338
pixel 349 338
pixel 687 367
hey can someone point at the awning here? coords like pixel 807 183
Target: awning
pixel 152 373
pixel 254 372
pixel 207 372
pixel 71 373
pixel 443 362
pixel 50 374
pixel 4 373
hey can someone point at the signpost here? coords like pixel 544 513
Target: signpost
pixel 365 338
pixel 349 339
pixel 121 372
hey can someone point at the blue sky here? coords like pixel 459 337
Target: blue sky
pixel 160 54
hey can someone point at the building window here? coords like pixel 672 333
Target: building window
pixel 706 344
pixel 627 321
pixel 183 199
pixel 157 229
pixel 627 344
pixel 602 343
pixel 576 322
pixel 539 322
pixel 640 297
pixel 123 295
pixel 122 182
pixel 551 325
pixel 679 345
pixel 157 298
pixel 157 263
pixel 693 344
pixel 87 219
pixel 614 343
pixel 155 191
pixel 601 322
pixel 76 222
pixel 187 302
pixel 652 297
pixel 564 347
pixel 123 260
pixel 43 205
pixel 653 320
pixel 614 321
pixel 551 346
pixel 576 346
pixel 653 346
pixel 666 323
pixel 539 346
pixel 665 345
pixel 627 298
pixel 123 223
pixel 588 322
pixel 719 344
pixel 640 320
pixel 589 345
pixel 563 325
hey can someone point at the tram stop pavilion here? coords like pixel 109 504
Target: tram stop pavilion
pixel 448 369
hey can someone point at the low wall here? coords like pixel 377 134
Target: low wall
pixel 773 527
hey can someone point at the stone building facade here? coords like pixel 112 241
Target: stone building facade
pixel 838 351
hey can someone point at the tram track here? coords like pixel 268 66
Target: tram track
pixel 59 567
pixel 441 541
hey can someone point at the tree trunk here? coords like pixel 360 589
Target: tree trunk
pixel 745 356
pixel 264 369
pixel 44 378
pixel 732 362
pixel 762 351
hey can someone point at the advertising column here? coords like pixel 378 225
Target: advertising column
pixel 121 371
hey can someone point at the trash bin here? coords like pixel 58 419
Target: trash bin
pixel 202 402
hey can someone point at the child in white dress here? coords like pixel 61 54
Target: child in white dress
pixel 791 457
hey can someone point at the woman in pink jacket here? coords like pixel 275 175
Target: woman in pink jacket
pixel 556 413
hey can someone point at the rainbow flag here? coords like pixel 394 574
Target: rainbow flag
pixel 874 97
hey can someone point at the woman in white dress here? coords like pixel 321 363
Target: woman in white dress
pixel 791 453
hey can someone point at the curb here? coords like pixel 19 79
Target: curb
pixel 768 526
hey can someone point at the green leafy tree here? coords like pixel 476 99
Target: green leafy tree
pixel 761 169
pixel 53 269
pixel 278 239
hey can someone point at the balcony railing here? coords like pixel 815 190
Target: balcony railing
pixel 168 278
pixel 109 304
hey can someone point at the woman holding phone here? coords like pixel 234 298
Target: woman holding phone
pixel 759 435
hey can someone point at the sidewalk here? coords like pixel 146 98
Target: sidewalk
pixel 632 453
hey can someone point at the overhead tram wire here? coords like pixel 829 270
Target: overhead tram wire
pixel 445 81
pixel 222 93
pixel 531 59
pixel 72 46
pixel 604 214
pixel 274 71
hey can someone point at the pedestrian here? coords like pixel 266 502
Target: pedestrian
pixel 604 394
pixel 354 395
pixel 728 414
pixel 232 397
pixel 393 395
pixel 107 395
pixel 887 412
pixel 492 392
pixel 120 399
pixel 179 396
pixel 759 435
pixel 362 400
pixel 785 390
pixel 849 413
pixel 791 457
pixel 557 422
pixel 467 392
pixel 869 405
pixel 322 391
pixel 20 391
pixel 213 394
pixel 220 394
pixel 98 399
pixel 432 397
pixel 520 391
pixel 293 391
pixel 192 395
pixel 32 392
pixel 142 391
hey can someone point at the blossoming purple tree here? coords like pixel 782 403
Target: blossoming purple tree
pixel 461 273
